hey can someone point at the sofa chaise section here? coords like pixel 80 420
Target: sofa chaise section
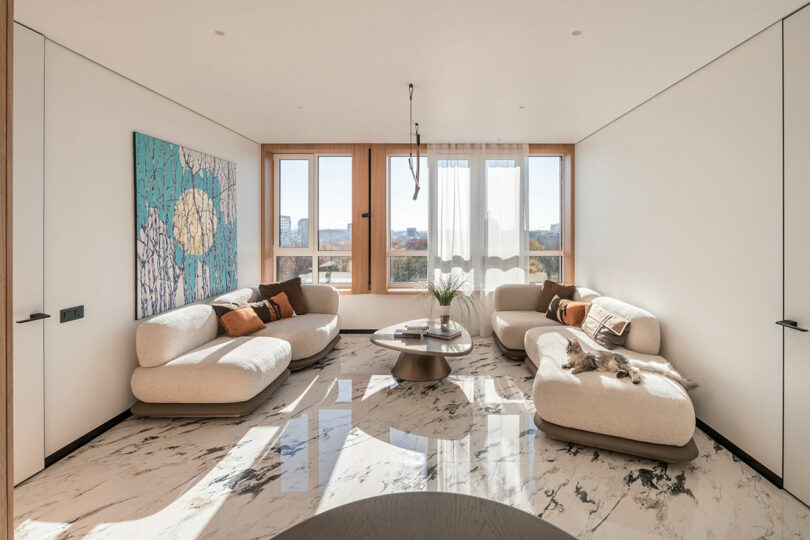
pixel 654 419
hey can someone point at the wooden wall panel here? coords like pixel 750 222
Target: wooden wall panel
pixel 379 219
pixel 6 399
pixel 268 211
pixel 360 225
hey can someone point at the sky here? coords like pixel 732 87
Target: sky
pixel 334 190
pixel 335 197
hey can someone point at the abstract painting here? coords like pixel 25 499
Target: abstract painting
pixel 185 211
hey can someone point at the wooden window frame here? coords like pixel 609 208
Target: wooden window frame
pixel 556 252
pixel 566 153
pixel 391 287
pixel 313 249
pixel 370 234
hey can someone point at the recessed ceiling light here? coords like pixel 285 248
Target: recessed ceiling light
pixel 521 106
pixel 219 32
pixel 576 33
pixel 300 106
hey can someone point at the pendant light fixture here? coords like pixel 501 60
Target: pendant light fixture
pixel 413 129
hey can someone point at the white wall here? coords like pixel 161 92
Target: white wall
pixel 679 211
pixel 90 116
pixel 375 311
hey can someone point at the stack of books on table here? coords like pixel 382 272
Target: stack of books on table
pixel 444 333
pixel 411 331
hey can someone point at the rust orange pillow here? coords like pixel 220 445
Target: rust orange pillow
pixel 567 312
pixel 280 307
pixel 241 322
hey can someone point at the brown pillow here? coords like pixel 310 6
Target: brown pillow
pixel 567 312
pixel 552 288
pixel 241 322
pixel 292 287
pixel 261 308
pixel 606 328
pixel 279 307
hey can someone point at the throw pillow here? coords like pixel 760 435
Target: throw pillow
pixel 221 308
pixel 292 288
pixel 606 328
pixel 567 312
pixel 241 322
pixel 552 288
pixel 279 307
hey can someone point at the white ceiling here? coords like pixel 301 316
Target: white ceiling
pixel 337 71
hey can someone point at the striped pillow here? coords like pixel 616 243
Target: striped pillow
pixel 567 312
pixel 606 328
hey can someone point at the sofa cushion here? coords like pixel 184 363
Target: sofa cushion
pixel 261 308
pixel 583 294
pixel 294 293
pixel 550 290
pixel 511 326
pixel 225 370
pixel 606 328
pixel 307 334
pixel 321 298
pixel 525 296
pixel 656 411
pixel 567 312
pixel 238 296
pixel 241 322
pixel 643 334
pixel 279 307
pixel 168 335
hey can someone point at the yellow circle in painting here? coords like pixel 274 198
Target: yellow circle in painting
pixel 194 221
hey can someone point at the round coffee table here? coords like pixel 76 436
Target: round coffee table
pixel 422 359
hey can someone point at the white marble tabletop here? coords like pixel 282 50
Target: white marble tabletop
pixel 428 346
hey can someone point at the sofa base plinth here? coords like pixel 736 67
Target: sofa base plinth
pixel 659 452
pixel 513 354
pixel 303 363
pixel 208 410
pixel 530 366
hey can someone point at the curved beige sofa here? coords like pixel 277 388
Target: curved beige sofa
pixel 654 419
pixel 515 313
pixel 187 369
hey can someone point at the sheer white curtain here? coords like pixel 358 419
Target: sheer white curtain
pixel 478 217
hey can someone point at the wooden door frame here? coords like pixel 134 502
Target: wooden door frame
pixel 6 413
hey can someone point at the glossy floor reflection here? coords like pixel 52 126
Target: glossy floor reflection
pixel 345 430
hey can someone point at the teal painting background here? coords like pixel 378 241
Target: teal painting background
pixel 168 276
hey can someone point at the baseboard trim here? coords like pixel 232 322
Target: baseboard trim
pixel 86 438
pixel 768 474
pixel 357 331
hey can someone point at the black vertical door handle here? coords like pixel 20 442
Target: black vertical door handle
pixel 34 317
pixel 793 325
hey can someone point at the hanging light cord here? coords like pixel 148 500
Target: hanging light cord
pixel 414 172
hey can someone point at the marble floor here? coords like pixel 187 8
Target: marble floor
pixel 345 430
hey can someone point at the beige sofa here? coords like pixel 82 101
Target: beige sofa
pixel 187 369
pixel 654 419
pixel 515 313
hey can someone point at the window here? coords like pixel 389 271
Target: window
pixel 407 224
pixel 545 224
pixel 314 209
